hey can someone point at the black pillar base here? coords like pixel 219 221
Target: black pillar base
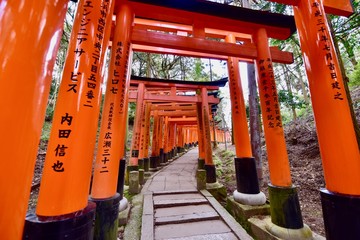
pixel 246 176
pixel 341 215
pixel 141 163
pixel 146 164
pixel 285 207
pixel 201 163
pixel 73 226
pixel 106 218
pixel 161 155
pixel 154 163
pixel 210 173
pixel 178 149
pixel 121 178
pixel 166 157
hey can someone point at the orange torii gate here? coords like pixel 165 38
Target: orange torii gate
pixel 157 90
pixel 62 202
pixel 63 195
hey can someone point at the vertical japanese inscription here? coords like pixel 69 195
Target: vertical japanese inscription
pixel 324 37
pixel 267 84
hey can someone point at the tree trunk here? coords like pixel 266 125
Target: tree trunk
pixel 255 127
pixel 290 93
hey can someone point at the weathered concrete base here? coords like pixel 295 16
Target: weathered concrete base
pixel 243 212
pixel 201 179
pixel 250 199
pixel 123 204
pixel 217 190
pixel 259 230
pixel 134 187
pixel 303 233
pixel 123 215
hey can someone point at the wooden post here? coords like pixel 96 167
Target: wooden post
pixel 135 143
pixel 154 147
pixel 209 164
pixel 284 207
pixel 248 191
pixel 69 160
pixel 110 162
pixel 337 140
pixel 201 133
pixel 26 62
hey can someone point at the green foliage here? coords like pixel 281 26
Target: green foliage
pixel 355 76
pixel 131 113
pixel 45 134
pixel 290 100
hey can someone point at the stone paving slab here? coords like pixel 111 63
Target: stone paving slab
pixel 186 218
pixel 178 202
pixel 221 236
pixel 175 211
pixel 185 196
pixel 191 229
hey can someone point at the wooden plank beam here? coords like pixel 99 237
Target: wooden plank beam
pixel 169 85
pixel 162 40
pixel 169 98
pixel 177 113
pixel 173 107
pixel 276 54
pixel 216 16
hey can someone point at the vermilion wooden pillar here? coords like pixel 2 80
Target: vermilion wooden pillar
pixel 27 57
pixel 147 137
pixel 284 207
pixel 209 164
pixel 338 145
pixel 110 152
pixel 69 160
pixel 154 146
pixel 248 191
pixel 164 142
pixel 135 143
pixel 160 140
pixel 201 159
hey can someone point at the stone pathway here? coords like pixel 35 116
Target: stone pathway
pixel 174 209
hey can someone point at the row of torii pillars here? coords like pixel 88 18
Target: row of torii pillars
pixel 65 183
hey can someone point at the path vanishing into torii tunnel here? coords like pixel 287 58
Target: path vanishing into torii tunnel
pixel 174 208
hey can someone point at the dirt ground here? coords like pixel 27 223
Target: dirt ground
pixel 306 172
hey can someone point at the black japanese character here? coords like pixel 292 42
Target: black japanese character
pixel 58 166
pixel 64 133
pixel 67 118
pixel 60 150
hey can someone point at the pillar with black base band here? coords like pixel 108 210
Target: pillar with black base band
pixel 154 147
pixel 147 138
pixel 248 191
pixel 112 132
pixel 282 194
pixel 27 58
pixel 69 160
pixel 209 164
pixel 136 138
pixel 337 140
pixel 200 129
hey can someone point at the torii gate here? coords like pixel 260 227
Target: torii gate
pixel 171 96
pixel 77 109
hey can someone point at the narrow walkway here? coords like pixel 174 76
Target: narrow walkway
pixel 174 209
